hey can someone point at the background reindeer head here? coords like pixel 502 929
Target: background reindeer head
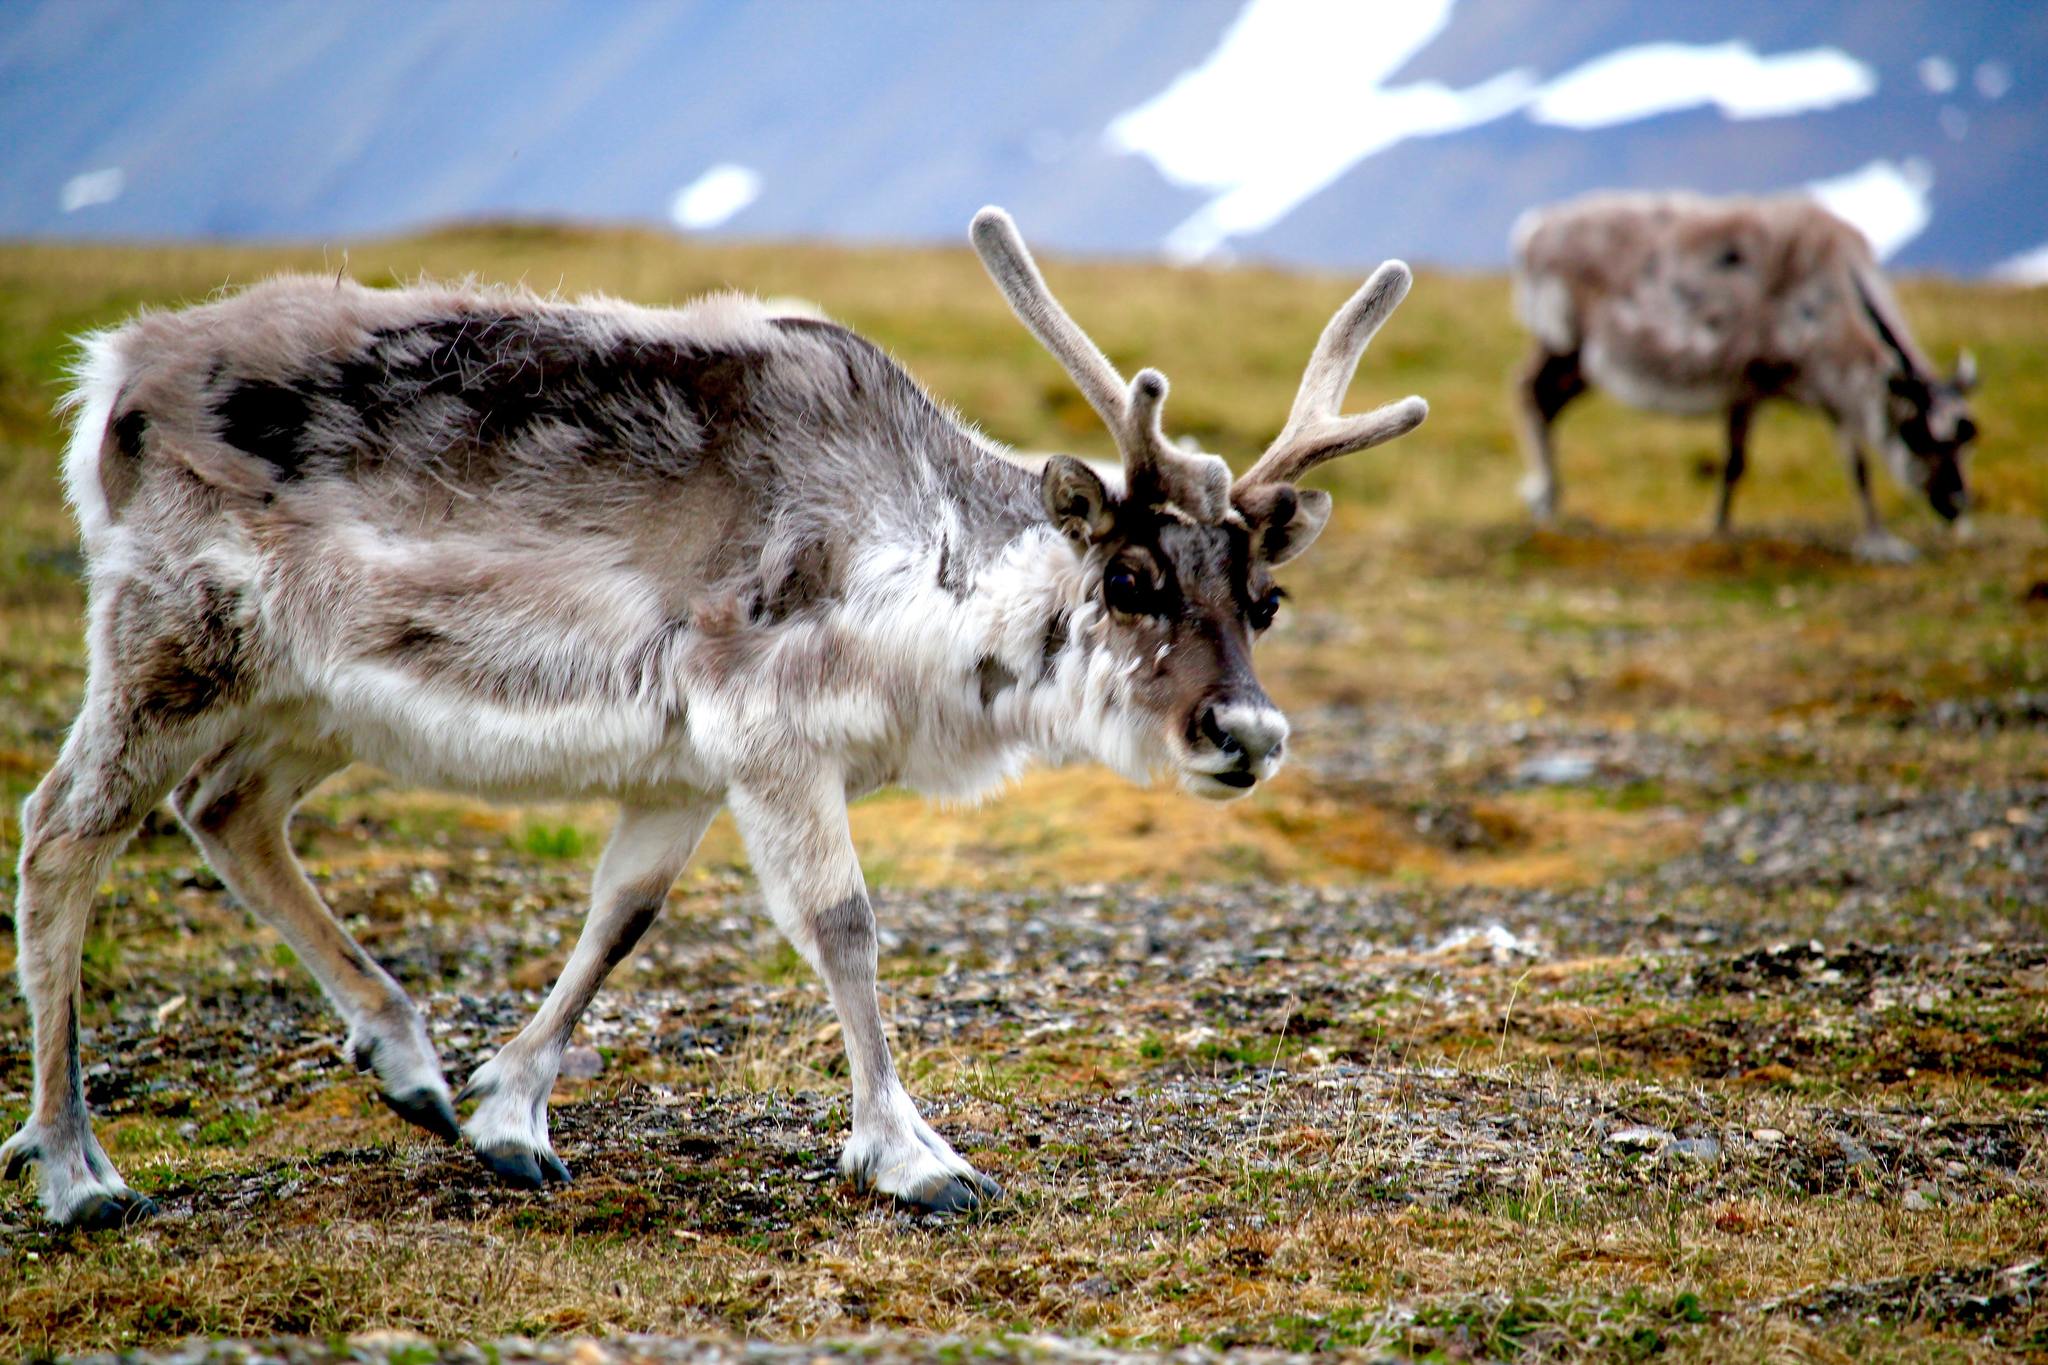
pixel 1176 566
pixel 1927 417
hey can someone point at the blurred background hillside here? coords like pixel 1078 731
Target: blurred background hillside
pixel 1295 131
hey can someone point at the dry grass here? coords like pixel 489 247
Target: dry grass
pixel 1242 1081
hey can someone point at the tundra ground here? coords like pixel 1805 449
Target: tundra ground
pixel 1647 952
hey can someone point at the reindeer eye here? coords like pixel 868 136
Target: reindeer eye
pixel 1262 612
pixel 1125 591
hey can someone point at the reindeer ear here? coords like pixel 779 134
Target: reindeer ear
pixel 1076 500
pixel 1284 520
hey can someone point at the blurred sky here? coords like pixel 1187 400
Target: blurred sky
pixel 1325 132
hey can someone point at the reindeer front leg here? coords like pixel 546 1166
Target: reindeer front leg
pixel 509 1129
pixel 1875 545
pixel 797 837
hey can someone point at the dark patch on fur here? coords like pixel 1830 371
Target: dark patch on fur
pixel 1270 509
pixel 1051 643
pixel 645 905
pixel 509 374
pixel 218 813
pixel 845 928
pixel 1766 378
pixel 267 421
pixel 994 679
pixel 1553 381
pixel 181 658
pixel 951 580
pixel 515 372
pixel 128 431
pixel 120 458
pixel 74 1073
pixel 806 580
pixel 417 644
pixel 426 651
pixel 638 919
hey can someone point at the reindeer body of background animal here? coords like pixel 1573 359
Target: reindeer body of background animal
pixel 1688 305
pixel 683 559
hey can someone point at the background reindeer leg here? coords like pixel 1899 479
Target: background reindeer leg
pixel 1547 384
pixel 1875 545
pixel 1738 461
pixel 797 837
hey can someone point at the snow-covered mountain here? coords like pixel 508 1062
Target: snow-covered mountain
pixel 1327 132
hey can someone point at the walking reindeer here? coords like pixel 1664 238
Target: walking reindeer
pixel 681 558
pixel 1682 304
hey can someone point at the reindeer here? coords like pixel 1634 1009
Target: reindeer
pixel 682 559
pixel 1687 305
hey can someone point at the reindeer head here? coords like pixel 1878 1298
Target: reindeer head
pixel 1927 418
pixel 1178 562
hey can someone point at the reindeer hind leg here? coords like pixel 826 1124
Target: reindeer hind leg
pixel 114 768
pixel 237 806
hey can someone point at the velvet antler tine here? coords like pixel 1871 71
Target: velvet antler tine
pixel 1153 469
pixel 1315 430
pixel 1009 263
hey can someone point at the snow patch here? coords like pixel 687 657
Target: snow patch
pixel 1294 96
pixel 714 197
pixel 1888 201
pixel 93 187
pixel 2027 268
pixel 1662 78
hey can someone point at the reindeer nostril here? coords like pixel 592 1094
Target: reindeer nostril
pixel 1216 734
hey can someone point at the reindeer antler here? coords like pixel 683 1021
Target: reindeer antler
pixel 1316 431
pixel 1153 469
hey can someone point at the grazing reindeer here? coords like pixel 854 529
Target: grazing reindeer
pixel 684 559
pixel 1688 305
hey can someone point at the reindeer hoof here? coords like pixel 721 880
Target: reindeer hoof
pixel 527 1170
pixel 958 1194
pixel 428 1109
pixel 1883 547
pixel 115 1209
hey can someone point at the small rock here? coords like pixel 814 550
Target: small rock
pixel 1096 1287
pixel 1554 770
pixel 1770 1137
pixel 1640 1139
pixel 390 1343
pixel 581 1064
pixel 1698 1149
pixel 1919 1201
pixel 1854 1152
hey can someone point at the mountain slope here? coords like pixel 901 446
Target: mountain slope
pixel 1299 130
